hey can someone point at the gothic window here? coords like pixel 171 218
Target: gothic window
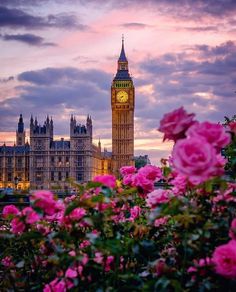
pixel 52 176
pixel 59 176
pixel 52 159
pixel 80 176
pixel 67 175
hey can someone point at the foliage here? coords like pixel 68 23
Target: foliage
pixel 127 236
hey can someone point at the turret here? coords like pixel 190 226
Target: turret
pixel 20 132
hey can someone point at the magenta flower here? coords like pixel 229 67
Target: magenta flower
pixel 31 215
pixel 175 124
pixel 151 172
pixel 195 158
pixel 214 134
pixel 127 170
pixel 142 182
pixel 157 197
pixel 17 226
pixel 10 210
pixel 55 286
pixel 160 221
pixel 77 214
pixel 108 180
pixel 224 258
pixel 45 201
pixel 71 273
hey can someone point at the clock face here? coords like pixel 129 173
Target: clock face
pixel 122 96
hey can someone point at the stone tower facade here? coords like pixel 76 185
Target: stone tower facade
pixel 122 104
pixel 20 133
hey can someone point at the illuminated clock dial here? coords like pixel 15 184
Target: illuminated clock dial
pixel 122 96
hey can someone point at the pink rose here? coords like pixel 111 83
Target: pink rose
pixel 214 134
pixel 127 170
pixel 135 213
pixel 194 158
pixel 107 180
pixel 10 210
pixel 232 232
pixel 179 184
pixel 7 262
pixel 71 273
pixel 45 201
pixel 17 226
pixel 108 263
pixel 232 126
pixel 77 214
pixel 128 179
pixel 175 124
pixel 151 172
pixel 160 221
pixel 157 197
pixel 55 286
pixel 224 258
pixel 142 182
pixel 31 215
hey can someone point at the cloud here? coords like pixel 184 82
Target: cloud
pixel 27 38
pixel 58 92
pixel 134 25
pixel 16 18
pixel 191 9
pixel 205 85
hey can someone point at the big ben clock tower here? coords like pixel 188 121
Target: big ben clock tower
pixel 122 104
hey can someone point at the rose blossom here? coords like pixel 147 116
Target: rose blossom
pixel 160 221
pixel 10 210
pixel 151 172
pixel 214 134
pixel 135 213
pixel 175 124
pixel 77 214
pixel 45 201
pixel 127 180
pixel 31 215
pixel 127 170
pixel 55 286
pixel 71 273
pixel 195 158
pixel 107 180
pixel 179 184
pixel 224 258
pixel 157 197
pixel 142 182
pixel 17 226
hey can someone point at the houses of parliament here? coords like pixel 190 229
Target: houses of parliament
pixel 45 163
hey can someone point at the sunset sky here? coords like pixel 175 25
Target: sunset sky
pixel 59 58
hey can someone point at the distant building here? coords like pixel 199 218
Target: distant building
pixel 141 161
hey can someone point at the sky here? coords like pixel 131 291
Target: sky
pixel 59 57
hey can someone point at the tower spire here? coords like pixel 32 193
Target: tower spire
pixel 122 57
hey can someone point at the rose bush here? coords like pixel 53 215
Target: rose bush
pixel 133 234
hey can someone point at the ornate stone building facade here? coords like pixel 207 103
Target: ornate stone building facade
pixel 47 163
